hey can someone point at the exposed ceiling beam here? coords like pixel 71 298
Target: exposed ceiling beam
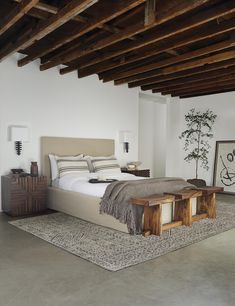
pixel 194 91
pixel 117 9
pixel 227 26
pixel 201 62
pixel 43 7
pixel 183 74
pixel 171 61
pixel 150 12
pixel 172 52
pixel 186 81
pixel 199 83
pixel 45 27
pixel 204 87
pixel 95 37
pixel 16 14
pixel 103 63
pixel 176 9
pixel 199 94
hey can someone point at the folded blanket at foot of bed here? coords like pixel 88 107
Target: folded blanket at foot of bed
pixel 115 201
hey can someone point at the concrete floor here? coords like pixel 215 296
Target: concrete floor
pixel 35 273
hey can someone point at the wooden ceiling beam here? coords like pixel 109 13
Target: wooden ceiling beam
pixel 218 91
pixel 158 78
pixel 16 14
pixel 41 8
pixel 150 12
pixel 201 62
pixel 199 83
pixel 201 77
pixel 200 36
pixel 103 63
pixel 176 9
pixel 205 90
pixel 121 61
pixel 117 9
pixel 217 85
pixel 45 27
pixel 171 61
pixel 172 52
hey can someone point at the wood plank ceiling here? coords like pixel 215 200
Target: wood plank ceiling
pixel 176 47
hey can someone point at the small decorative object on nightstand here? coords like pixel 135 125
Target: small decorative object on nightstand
pixel 23 195
pixel 34 169
pixel 140 172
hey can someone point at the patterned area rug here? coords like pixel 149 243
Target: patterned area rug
pixel 114 250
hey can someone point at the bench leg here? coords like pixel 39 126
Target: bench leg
pixel 207 204
pixel 153 220
pixel 211 206
pixel 183 212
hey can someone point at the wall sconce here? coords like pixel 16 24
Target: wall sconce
pixel 124 137
pixel 19 134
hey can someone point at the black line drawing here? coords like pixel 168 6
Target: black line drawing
pixel 227 175
pixel 230 157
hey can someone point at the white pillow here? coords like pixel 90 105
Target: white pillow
pixel 91 158
pixel 110 166
pixel 53 162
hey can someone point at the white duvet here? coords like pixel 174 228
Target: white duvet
pixel 80 183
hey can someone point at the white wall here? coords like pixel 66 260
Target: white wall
pixel 54 105
pixel 152 134
pixel 223 105
pixel 174 128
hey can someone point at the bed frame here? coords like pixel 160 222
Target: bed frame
pixel 77 204
pixel 85 207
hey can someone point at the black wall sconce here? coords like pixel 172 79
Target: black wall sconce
pixel 124 137
pixel 19 134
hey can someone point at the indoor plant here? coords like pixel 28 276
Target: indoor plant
pixel 196 136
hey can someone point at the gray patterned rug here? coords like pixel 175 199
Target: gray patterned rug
pixel 114 250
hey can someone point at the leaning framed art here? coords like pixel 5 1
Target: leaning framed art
pixel 224 168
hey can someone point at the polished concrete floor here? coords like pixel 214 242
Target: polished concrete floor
pixel 35 273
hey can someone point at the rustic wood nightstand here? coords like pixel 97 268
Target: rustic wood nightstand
pixel 23 195
pixel 140 172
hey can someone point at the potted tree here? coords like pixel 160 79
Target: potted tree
pixel 196 136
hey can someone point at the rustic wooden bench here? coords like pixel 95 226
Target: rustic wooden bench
pixel 153 212
pixel 206 204
pixel 206 208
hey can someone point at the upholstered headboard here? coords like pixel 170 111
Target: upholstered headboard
pixel 72 146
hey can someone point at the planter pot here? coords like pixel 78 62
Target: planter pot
pixel 197 182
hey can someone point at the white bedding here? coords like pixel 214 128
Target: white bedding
pixel 79 183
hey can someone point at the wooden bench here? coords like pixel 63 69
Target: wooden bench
pixel 153 212
pixel 206 204
pixel 206 208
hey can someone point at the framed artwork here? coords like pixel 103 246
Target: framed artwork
pixel 224 169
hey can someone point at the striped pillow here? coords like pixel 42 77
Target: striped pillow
pixel 53 162
pixel 106 166
pixel 66 166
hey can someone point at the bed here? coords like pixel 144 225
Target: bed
pixel 79 204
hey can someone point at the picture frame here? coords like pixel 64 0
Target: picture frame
pixel 224 166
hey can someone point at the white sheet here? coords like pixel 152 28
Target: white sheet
pixel 73 182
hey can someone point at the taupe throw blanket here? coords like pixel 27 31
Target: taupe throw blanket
pixel 115 201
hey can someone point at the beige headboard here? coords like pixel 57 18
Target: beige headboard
pixel 73 146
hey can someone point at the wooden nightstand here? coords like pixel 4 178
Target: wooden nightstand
pixel 23 195
pixel 141 172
